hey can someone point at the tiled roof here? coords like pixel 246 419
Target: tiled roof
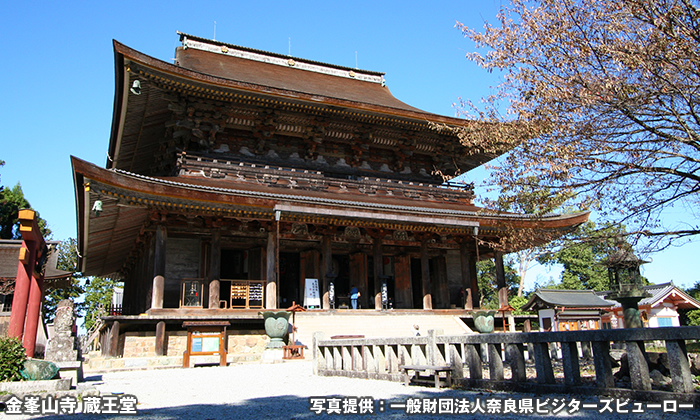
pixel 9 255
pixel 566 298
pixel 659 292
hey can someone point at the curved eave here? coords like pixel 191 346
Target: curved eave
pixel 105 241
pixel 78 181
pixel 212 192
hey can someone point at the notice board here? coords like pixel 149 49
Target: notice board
pixel 312 297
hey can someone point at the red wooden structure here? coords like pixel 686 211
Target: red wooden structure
pixel 29 283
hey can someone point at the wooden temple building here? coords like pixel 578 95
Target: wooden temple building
pixel 234 175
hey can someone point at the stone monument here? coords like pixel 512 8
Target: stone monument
pixel 63 345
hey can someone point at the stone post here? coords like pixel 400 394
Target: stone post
pixel 543 364
pixel 515 356
pixel 681 378
pixel 572 371
pixel 495 362
pixel 62 348
pixel 160 339
pixel 603 368
pixel 474 361
pixel 639 370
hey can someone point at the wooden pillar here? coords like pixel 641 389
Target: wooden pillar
pixel 114 339
pixel 441 284
pixel 271 288
pixel 160 338
pixel 215 271
pixel 378 258
pixel 501 280
pixel 28 294
pixel 104 342
pixel 36 293
pixel 402 276
pixel 527 327
pixel 425 275
pixel 309 269
pixel 327 270
pixel 159 268
pixel 473 277
pixel 25 270
pixel 358 276
pixel 470 283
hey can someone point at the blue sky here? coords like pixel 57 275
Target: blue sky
pixel 58 76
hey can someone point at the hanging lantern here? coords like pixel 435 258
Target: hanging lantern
pixel 97 208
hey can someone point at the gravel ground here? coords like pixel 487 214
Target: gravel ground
pixel 283 391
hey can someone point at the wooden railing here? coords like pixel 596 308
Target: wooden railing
pixel 381 358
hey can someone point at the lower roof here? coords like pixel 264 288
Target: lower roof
pixel 128 200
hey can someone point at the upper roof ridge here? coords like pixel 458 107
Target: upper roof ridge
pixel 218 47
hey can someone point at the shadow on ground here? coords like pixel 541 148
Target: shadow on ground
pixel 289 407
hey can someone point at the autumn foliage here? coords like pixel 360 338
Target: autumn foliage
pixel 599 102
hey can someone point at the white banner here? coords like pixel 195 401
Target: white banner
pixel 312 297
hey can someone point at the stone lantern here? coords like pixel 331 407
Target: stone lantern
pixel 626 283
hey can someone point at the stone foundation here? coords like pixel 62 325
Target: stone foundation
pixel 247 342
pixel 140 344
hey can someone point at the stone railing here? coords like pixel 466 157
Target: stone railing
pixel 381 358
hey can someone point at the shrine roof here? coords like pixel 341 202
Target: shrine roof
pixel 658 293
pixel 286 73
pixel 267 76
pixel 9 256
pixel 245 76
pixel 551 298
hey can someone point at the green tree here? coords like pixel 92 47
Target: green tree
pixel 517 302
pixel 98 295
pixel 691 317
pixel 583 254
pixel 70 289
pixel 598 101
pixel 488 286
pixel 12 200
